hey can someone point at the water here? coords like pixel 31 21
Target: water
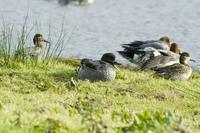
pixel 104 25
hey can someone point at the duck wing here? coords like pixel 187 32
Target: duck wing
pixel 152 62
pixel 139 43
pixel 96 65
pixel 89 63
pixel 171 70
pixel 158 45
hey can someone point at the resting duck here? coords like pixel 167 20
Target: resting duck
pixel 95 70
pixel 160 58
pixel 163 43
pixel 152 54
pixel 37 51
pixel 178 71
pixel 135 48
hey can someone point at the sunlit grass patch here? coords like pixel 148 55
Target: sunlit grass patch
pixel 42 98
pixel 46 96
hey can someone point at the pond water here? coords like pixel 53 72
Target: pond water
pixel 104 25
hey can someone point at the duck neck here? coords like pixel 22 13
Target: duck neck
pixel 175 50
pixel 184 62
pixel 38 46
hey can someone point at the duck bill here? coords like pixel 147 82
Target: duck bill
pixel 116 68
pixel 46 41
pixel 192 60
pixel 114 65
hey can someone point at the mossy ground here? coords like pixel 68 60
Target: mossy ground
pixel 42 98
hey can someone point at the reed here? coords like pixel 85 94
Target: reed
pixel 54 51
pixel 13 43
pixel 5 42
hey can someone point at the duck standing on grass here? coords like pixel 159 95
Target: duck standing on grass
pixel 178 71
pixel 37 51
pixel 96 70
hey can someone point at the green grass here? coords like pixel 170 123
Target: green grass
pixel 42 98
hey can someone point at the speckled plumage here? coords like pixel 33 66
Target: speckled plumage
pixel 34 52
pixel 178 71
pixel 96 70
pixel 165 58
pixel 151 57
pixel 37 51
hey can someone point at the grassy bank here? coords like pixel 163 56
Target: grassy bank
pixel 42 98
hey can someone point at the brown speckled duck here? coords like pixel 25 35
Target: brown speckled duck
pixel 178 71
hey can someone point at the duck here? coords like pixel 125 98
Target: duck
pixel 160 58
pixel 37 51
pixel 163 43
pixel 76 2
pixel 151 57
pixel 98 70
pixel 177 71
pixel 137 47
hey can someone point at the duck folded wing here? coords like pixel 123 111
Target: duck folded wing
pixel 134 44
pixel 139 43
pixel 171 70
pixel 94 64
pixel 89 63
pixel 144 44
pixel 152 62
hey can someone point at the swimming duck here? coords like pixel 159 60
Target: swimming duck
pixel 37 51
pixel 95 70
pixel 178 71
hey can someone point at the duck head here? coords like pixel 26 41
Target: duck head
pixel 166 40
pixel 184 58
pixel 175 48
pixel 38 40
pixel 110 58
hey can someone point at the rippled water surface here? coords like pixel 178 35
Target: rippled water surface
pixel 104 25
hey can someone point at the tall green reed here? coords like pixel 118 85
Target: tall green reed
pixel 6 42
pixel 54 51
pixel 13 44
